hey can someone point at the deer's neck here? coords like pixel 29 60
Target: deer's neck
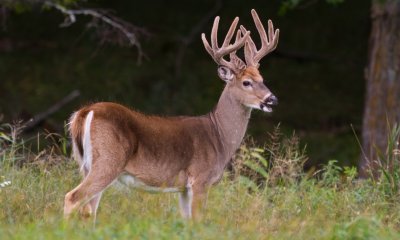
pixel 230 118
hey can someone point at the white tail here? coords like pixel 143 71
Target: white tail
pixel 87 145
pixel 172 154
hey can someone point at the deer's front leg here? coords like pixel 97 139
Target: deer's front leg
pixel 186 199
pixel 192 200
pixel 185 203
pixel 199 201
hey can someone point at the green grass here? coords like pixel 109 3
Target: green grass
pixel 245 205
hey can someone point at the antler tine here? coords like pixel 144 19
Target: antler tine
pixel 230 33
pixel 233 57
pixel 214 33
pixel 268 42
pixel 250 40
pixel 214 40
pixel 238 36
pixel 217 53
pixel 275 35
pixel 226 47
pixel 250 50
pixel 236 45
pixel 206 44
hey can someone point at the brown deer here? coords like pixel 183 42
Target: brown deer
pixel 172 154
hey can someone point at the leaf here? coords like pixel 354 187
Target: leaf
pixel 5 137
pixel 255 167
pixel 260 158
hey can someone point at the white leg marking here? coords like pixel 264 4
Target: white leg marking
pixel 186 199
pixel 95 204
pixel 87 145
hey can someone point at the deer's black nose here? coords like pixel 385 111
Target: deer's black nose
pixel 272 100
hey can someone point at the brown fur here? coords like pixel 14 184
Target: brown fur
pixel 251 73
pixel 147 139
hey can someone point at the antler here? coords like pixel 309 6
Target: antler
pixel 218 53
pixel 268 42
pixel 239 64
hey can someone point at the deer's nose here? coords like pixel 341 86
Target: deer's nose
pixel 271 100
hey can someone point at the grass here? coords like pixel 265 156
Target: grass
pixel 249 203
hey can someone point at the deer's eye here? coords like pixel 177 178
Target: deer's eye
pixel 246 83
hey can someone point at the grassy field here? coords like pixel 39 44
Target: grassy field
pixel 266 196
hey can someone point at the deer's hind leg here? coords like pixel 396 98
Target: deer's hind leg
pixel 107 165
pixel 88 193
pixel 90 208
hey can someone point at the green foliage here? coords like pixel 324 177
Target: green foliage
pixel 331 173
pixel 288 5
pixel 10 144
pixel 350 173
pixel 360 228
pixel 280 161
pixel 334 1
pixel 389 162
pixel 292 4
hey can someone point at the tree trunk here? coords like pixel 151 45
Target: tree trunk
pixel 382 104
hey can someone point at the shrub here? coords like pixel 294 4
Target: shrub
pixel 279 162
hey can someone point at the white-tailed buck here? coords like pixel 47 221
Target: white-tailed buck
pixel 172 154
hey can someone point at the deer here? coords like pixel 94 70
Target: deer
pixel 181 154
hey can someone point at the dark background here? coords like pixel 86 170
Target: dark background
pixel 317 71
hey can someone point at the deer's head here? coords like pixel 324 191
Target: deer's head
pixel 243 79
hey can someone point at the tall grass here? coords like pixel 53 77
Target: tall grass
pixel 389 163
pixel 266 196
pixel 279 162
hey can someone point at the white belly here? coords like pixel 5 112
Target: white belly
pixel 133 182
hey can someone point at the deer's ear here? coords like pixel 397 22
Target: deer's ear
pixel 225 73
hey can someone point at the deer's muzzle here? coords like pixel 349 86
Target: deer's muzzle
pixel 267 104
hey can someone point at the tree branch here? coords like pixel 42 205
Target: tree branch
pixel 40 117
pixel 128 30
